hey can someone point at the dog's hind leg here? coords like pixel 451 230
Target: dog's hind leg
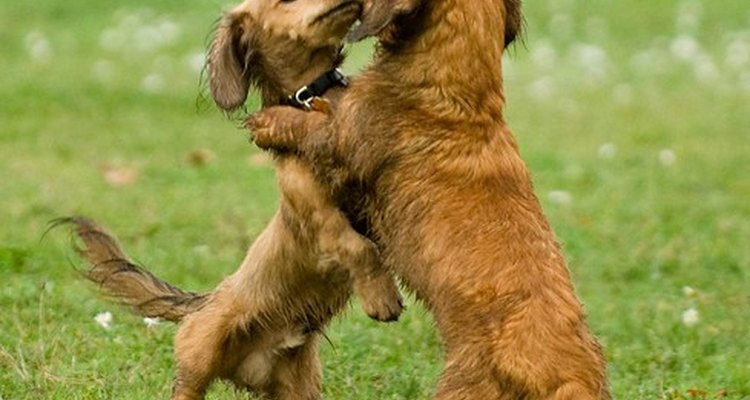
pixel 457 382
pixel 198 348
pixel 204 347
pixel 297 373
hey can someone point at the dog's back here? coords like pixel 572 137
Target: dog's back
pixel 455 210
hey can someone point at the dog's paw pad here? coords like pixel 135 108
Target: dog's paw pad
pixel 384 308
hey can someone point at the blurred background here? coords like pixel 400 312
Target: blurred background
pixel 634 118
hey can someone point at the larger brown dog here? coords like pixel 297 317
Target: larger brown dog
pixel 452 204
pixel 261 326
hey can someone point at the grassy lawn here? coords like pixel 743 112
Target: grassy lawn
pixel 633 117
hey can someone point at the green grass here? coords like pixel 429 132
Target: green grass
pixel 591 77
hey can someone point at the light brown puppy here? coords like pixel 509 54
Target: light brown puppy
pixel 452 208
pixel 261 326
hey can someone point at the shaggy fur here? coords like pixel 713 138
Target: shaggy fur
pixel 260 328
pixel 451 202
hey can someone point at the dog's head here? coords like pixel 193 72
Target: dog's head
pixel 274 39
pixel 380 17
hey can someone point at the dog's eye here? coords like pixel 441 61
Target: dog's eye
pixel 286 1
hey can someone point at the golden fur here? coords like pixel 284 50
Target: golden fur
pixel 451 203
pixel 261 326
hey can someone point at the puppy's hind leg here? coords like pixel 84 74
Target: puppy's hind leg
pixel 460 380
pixel 297 373
pixel 203 348
pixel 198 353
pixel 373 284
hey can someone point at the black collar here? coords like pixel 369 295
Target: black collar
pixel 305 95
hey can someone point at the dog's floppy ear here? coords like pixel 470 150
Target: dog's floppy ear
pixel 228 63
pixel 513 20
pixel 378 14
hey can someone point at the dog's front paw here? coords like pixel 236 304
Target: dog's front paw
pixel 273 128
pixel 381 299
pixel 262 126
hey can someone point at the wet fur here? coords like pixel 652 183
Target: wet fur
pixel 452 206
pixel 261 326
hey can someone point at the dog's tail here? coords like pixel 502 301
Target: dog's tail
pixel 124 281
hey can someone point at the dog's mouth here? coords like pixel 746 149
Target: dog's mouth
pixel 336 11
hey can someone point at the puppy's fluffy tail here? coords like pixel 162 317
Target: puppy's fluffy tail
pixel 125 282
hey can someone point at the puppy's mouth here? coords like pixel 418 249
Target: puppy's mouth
pixel 338 10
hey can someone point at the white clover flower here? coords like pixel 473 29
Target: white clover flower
pixel 150 37
pixel 544 55
pixel 202 250
pixel 542 89
pixel 153 83
pixel 684 47
pixel 169 31
pixel 667 157
pixel 113 39
pixel 560 197
pixel 687 23
pixel 705 70
pixel 161 63
pixel 623 94
pixel 38 46
pixel 651 61
pixel 151 322
pixel 573 171
pixel 131 20
pixel 596 28
pixel 744 81
pixel 689 292
pixel 607 151
pixel 562 24
pixel 689 16
pixel 103 70
pixel 195 61
pixel 738 54
pixel 690 317
pixel 147 39
pixel 140 32
pixel 48 286
pixel 592 59
pixel 104 319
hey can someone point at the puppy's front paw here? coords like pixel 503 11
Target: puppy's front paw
pixel 262 126
pixel 381 299
pixel 275 127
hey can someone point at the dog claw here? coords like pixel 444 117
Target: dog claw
pixel 385 309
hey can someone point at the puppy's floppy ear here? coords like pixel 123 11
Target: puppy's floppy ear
pixel 513 20
pixel 228 61
pixel 378 14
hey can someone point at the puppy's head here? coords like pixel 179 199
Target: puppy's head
pixel 267 39
pixel 379 17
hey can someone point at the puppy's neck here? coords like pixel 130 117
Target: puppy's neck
pixel 284 72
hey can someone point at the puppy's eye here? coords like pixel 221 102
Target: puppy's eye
pixel 286 1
